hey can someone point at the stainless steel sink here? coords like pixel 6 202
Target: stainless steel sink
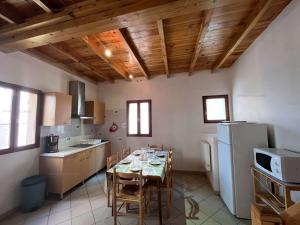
pixel 81 145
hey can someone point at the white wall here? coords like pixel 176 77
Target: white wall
pixel 267 77
pixel 177 112
pixel 24 70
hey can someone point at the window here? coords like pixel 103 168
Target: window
pixel 139 118
pixel 19 118
pixel 215 108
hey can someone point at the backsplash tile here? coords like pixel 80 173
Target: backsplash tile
pixel 70 134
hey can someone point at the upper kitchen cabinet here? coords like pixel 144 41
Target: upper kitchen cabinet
pixel 57 109
pixel 96 110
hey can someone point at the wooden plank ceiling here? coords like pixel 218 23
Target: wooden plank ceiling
pixel 105 40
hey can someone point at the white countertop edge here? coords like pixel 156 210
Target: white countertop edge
pixel 65 153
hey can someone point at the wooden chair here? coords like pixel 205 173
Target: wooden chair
pixel 170 158
pixel 131 192
pixel 110 162
pixel 126 152
pixel 166 185
pixel 291 216
pixel 161 147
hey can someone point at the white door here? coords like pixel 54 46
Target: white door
pixel 226 175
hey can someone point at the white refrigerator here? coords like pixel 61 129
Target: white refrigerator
pixel 235 154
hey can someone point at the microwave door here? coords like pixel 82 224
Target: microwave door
pixel 264 161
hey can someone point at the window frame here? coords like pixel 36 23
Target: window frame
pixel 14 116
pixel 225 97
pixel 138 118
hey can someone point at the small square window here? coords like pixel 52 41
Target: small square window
pixel 215 108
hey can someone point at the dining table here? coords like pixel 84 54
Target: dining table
pixel 153 166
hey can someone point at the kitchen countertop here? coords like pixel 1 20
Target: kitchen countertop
pixel 63 152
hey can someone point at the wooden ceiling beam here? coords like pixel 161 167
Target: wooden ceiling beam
pixel 97 47
pixel 201 35
pixel 8 14
pixel 63 49
pixel 43 57
pixel 161 32
pixel 43 5
pixel 255 16
pixel 123 33
pixel 96 17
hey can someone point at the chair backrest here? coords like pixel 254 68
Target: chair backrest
pixel 168 171
pixel 112 160
pixel 161 147
pixel 169 167
pixel 127 179
pixel 126 152
pixel 171 151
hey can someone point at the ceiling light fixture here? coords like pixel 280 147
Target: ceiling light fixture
pixel 107 53
pixel 130 76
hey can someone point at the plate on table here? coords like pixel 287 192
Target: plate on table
pixel 161 154
pixel 150 151
pixel 125 161
pixel 155 162
pixel 135 168
pixel 137 153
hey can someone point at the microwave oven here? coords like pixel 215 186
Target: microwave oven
pixel 282 164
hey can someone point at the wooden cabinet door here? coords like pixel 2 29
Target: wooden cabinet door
pixel 87 164
pixel 90 160
pixel 71 171
pixel 52 167
pixel 57 109
pixel 99 112
pixel 93 162
pixel 49 109
pixel 63 109
pixel 83 165
pixel 96 110
pixel 100 157
pixel 107 151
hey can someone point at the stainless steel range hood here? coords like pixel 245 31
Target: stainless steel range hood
pixel 77 90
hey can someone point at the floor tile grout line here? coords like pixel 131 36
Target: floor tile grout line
pixel 91 206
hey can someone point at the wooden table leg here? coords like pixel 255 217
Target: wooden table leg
pixel 108 187
pixel 159 202
pixel 287 197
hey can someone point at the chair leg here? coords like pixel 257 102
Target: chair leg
pixel 127 207
pixel 168 202
pixel 149 199
pixel 108 197
pixel 114 211
pixel 108 187
pixel 141 213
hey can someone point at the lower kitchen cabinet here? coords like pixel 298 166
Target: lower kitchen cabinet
pixel 63 173
pixel 70 175
pixel 100 157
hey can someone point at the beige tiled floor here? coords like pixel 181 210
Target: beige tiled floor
pixel 194 203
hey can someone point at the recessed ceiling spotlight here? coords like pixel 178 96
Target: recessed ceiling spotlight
pixel 107 52
pixel 130 76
